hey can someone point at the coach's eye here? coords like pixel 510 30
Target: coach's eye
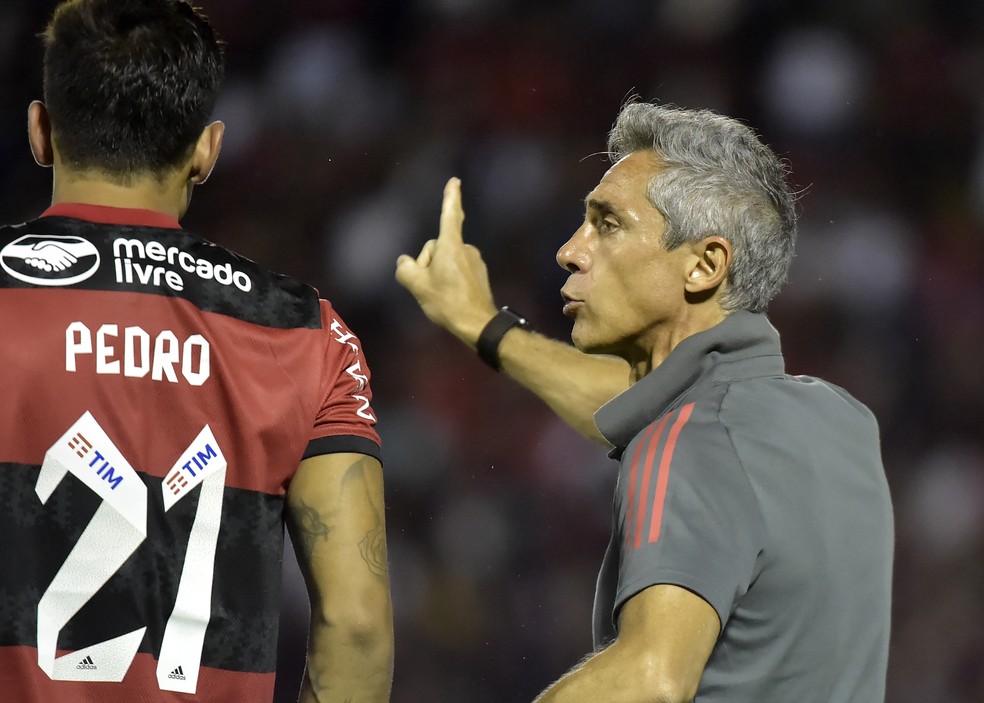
pixel 607 225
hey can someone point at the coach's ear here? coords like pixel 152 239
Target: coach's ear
pixel 708 266
pixel 206 153
pixel 39 134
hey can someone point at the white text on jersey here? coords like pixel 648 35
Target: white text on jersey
pixel 343 336
pixel 135 356
pixel 129 269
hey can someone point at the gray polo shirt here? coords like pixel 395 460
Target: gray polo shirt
pixel 764 494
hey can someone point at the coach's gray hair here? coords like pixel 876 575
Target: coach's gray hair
pixel 719 180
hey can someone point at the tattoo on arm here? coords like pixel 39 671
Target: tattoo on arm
pixel 373 550
pixel 373 545
pixel 310 525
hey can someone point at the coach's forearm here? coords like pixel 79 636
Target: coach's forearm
pixel 618 674
pixel 573 384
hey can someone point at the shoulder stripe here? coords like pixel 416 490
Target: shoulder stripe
pixel 664 472
pixel 633 473
pixel 640 511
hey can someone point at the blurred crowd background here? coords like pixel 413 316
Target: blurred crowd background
pixel 345 118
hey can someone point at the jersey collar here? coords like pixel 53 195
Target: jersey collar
pixel 744 345
pixel 104 214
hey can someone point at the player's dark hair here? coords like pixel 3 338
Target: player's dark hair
pixel 129 84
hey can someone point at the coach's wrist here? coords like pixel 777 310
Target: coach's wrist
pixel 491 336
pixel 468 326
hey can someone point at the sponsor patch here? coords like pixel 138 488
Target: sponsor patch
pixel 47 260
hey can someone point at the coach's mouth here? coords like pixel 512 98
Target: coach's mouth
pixel 571 304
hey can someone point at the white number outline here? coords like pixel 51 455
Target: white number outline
pixel 116 530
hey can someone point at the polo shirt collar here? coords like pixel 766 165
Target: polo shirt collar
pixel 744 345
pixel 103 214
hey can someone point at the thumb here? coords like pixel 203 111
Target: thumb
pixel 406 271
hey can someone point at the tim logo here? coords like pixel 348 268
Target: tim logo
pixel 177 483
pixel 80 444
pixel 178 674
pixel 87 663
pixel 190 469
pixel 50 260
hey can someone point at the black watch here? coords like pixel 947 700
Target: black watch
pixel 492 334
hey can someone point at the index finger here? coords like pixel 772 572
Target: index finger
pixel 451 213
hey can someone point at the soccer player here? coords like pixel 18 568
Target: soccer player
pixel 167 405
pixel 751 551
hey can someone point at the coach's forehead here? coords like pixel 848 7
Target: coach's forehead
pixel 626 183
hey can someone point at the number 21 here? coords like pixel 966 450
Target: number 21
pixel 117 528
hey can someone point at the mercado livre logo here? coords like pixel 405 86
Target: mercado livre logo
pixel 50 260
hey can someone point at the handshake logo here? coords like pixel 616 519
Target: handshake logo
pixel 50 260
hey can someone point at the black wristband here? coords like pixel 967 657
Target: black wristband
pixel 488 342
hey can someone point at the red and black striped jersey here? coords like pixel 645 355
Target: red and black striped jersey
pixel 158 394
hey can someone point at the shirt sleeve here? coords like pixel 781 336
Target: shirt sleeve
pixel 345 421
pixel 686 514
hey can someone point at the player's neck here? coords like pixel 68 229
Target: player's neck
pixel 145 193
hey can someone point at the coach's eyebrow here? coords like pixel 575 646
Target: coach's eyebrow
pixel 591 203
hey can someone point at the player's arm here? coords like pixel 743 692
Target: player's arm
pixel 666 634
pixel 450 281
pixel 335 519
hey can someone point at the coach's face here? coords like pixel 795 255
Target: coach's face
pixel 625 291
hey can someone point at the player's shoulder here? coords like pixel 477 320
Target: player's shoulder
pixel 67 253
pixel 279 299
pixel 228 282
pixel 10 231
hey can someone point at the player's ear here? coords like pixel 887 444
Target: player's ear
pixel 206 153
pixel 39 134
pixel 708 267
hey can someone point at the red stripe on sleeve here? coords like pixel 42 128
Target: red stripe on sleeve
pixel 644 490
pixel 664 471
pixel 633 475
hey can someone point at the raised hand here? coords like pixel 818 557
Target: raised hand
pixel 448 278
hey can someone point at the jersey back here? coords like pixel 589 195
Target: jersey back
pixel 158 395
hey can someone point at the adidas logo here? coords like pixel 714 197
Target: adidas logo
pixel 87 663
pixel 178 674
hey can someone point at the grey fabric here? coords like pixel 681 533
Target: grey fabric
pixel 764 494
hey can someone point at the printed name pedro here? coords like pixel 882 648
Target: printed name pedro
pixel 168 355
pixel 191 356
